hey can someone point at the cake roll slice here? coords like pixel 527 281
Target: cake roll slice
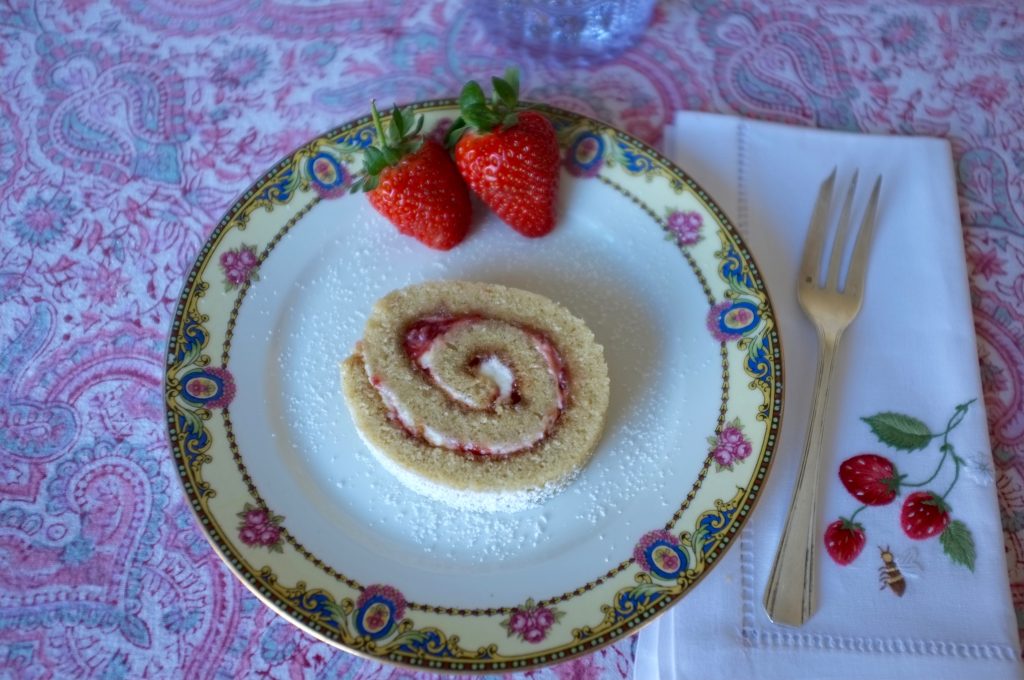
pixel 477 395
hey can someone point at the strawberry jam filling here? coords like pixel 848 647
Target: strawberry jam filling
pixel 422 334
pixel 496 382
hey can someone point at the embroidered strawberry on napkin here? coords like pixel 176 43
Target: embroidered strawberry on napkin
pixel 874 480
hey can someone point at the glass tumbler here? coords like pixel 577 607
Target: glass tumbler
pixel 567 32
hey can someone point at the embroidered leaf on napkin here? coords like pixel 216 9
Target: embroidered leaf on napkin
pixel 959 544
pixel 899 431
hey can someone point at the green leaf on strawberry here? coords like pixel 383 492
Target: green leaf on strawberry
pixel 399 140
pixel 899 431
pixel 478 115
pixel 958 543
pixel 506 92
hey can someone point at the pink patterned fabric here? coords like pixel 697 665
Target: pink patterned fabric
pixel 127 129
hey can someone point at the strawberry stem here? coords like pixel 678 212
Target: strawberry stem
pixel 401 139
pixel 855 513
pixel 958 416
pixel 956 476
pixel 947 448
pixel 376 122
pixel 945 452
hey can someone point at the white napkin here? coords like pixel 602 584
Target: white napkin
pixel 911 351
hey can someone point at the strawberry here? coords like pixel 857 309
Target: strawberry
pixel 844 540
pixel 414 183
pixel 509 158
pixel 924 515
pixel 871 478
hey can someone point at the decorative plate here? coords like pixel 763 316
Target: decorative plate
pixel 296 506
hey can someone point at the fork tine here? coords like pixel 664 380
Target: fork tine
pixel 835 262
pixel 814 246
pixel 858 265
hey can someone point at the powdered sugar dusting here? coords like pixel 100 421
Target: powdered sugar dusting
pixel 473 501
pixel 307 312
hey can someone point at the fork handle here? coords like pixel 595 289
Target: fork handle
pixel 791 597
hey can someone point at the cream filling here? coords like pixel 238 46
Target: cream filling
pixel 492 368
pixel 495 370
pixel 435 438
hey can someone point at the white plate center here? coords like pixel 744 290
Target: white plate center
pixel 608 263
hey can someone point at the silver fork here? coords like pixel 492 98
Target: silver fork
pixel 791 597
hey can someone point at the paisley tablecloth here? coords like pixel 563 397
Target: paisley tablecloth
pixel 128 127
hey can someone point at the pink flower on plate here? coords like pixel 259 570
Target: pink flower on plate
pixel 730 446
pixel 543 617
pixel 260 528
pixel 249 535
pixel 269 535
pixel 535 635
pixel 714 314
pixel 732 319
pixel 239 265
pixel 257 517
pixel 670 562
pixel 518 622
pixel 531 622
pixel 641 552
pixel 686 226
